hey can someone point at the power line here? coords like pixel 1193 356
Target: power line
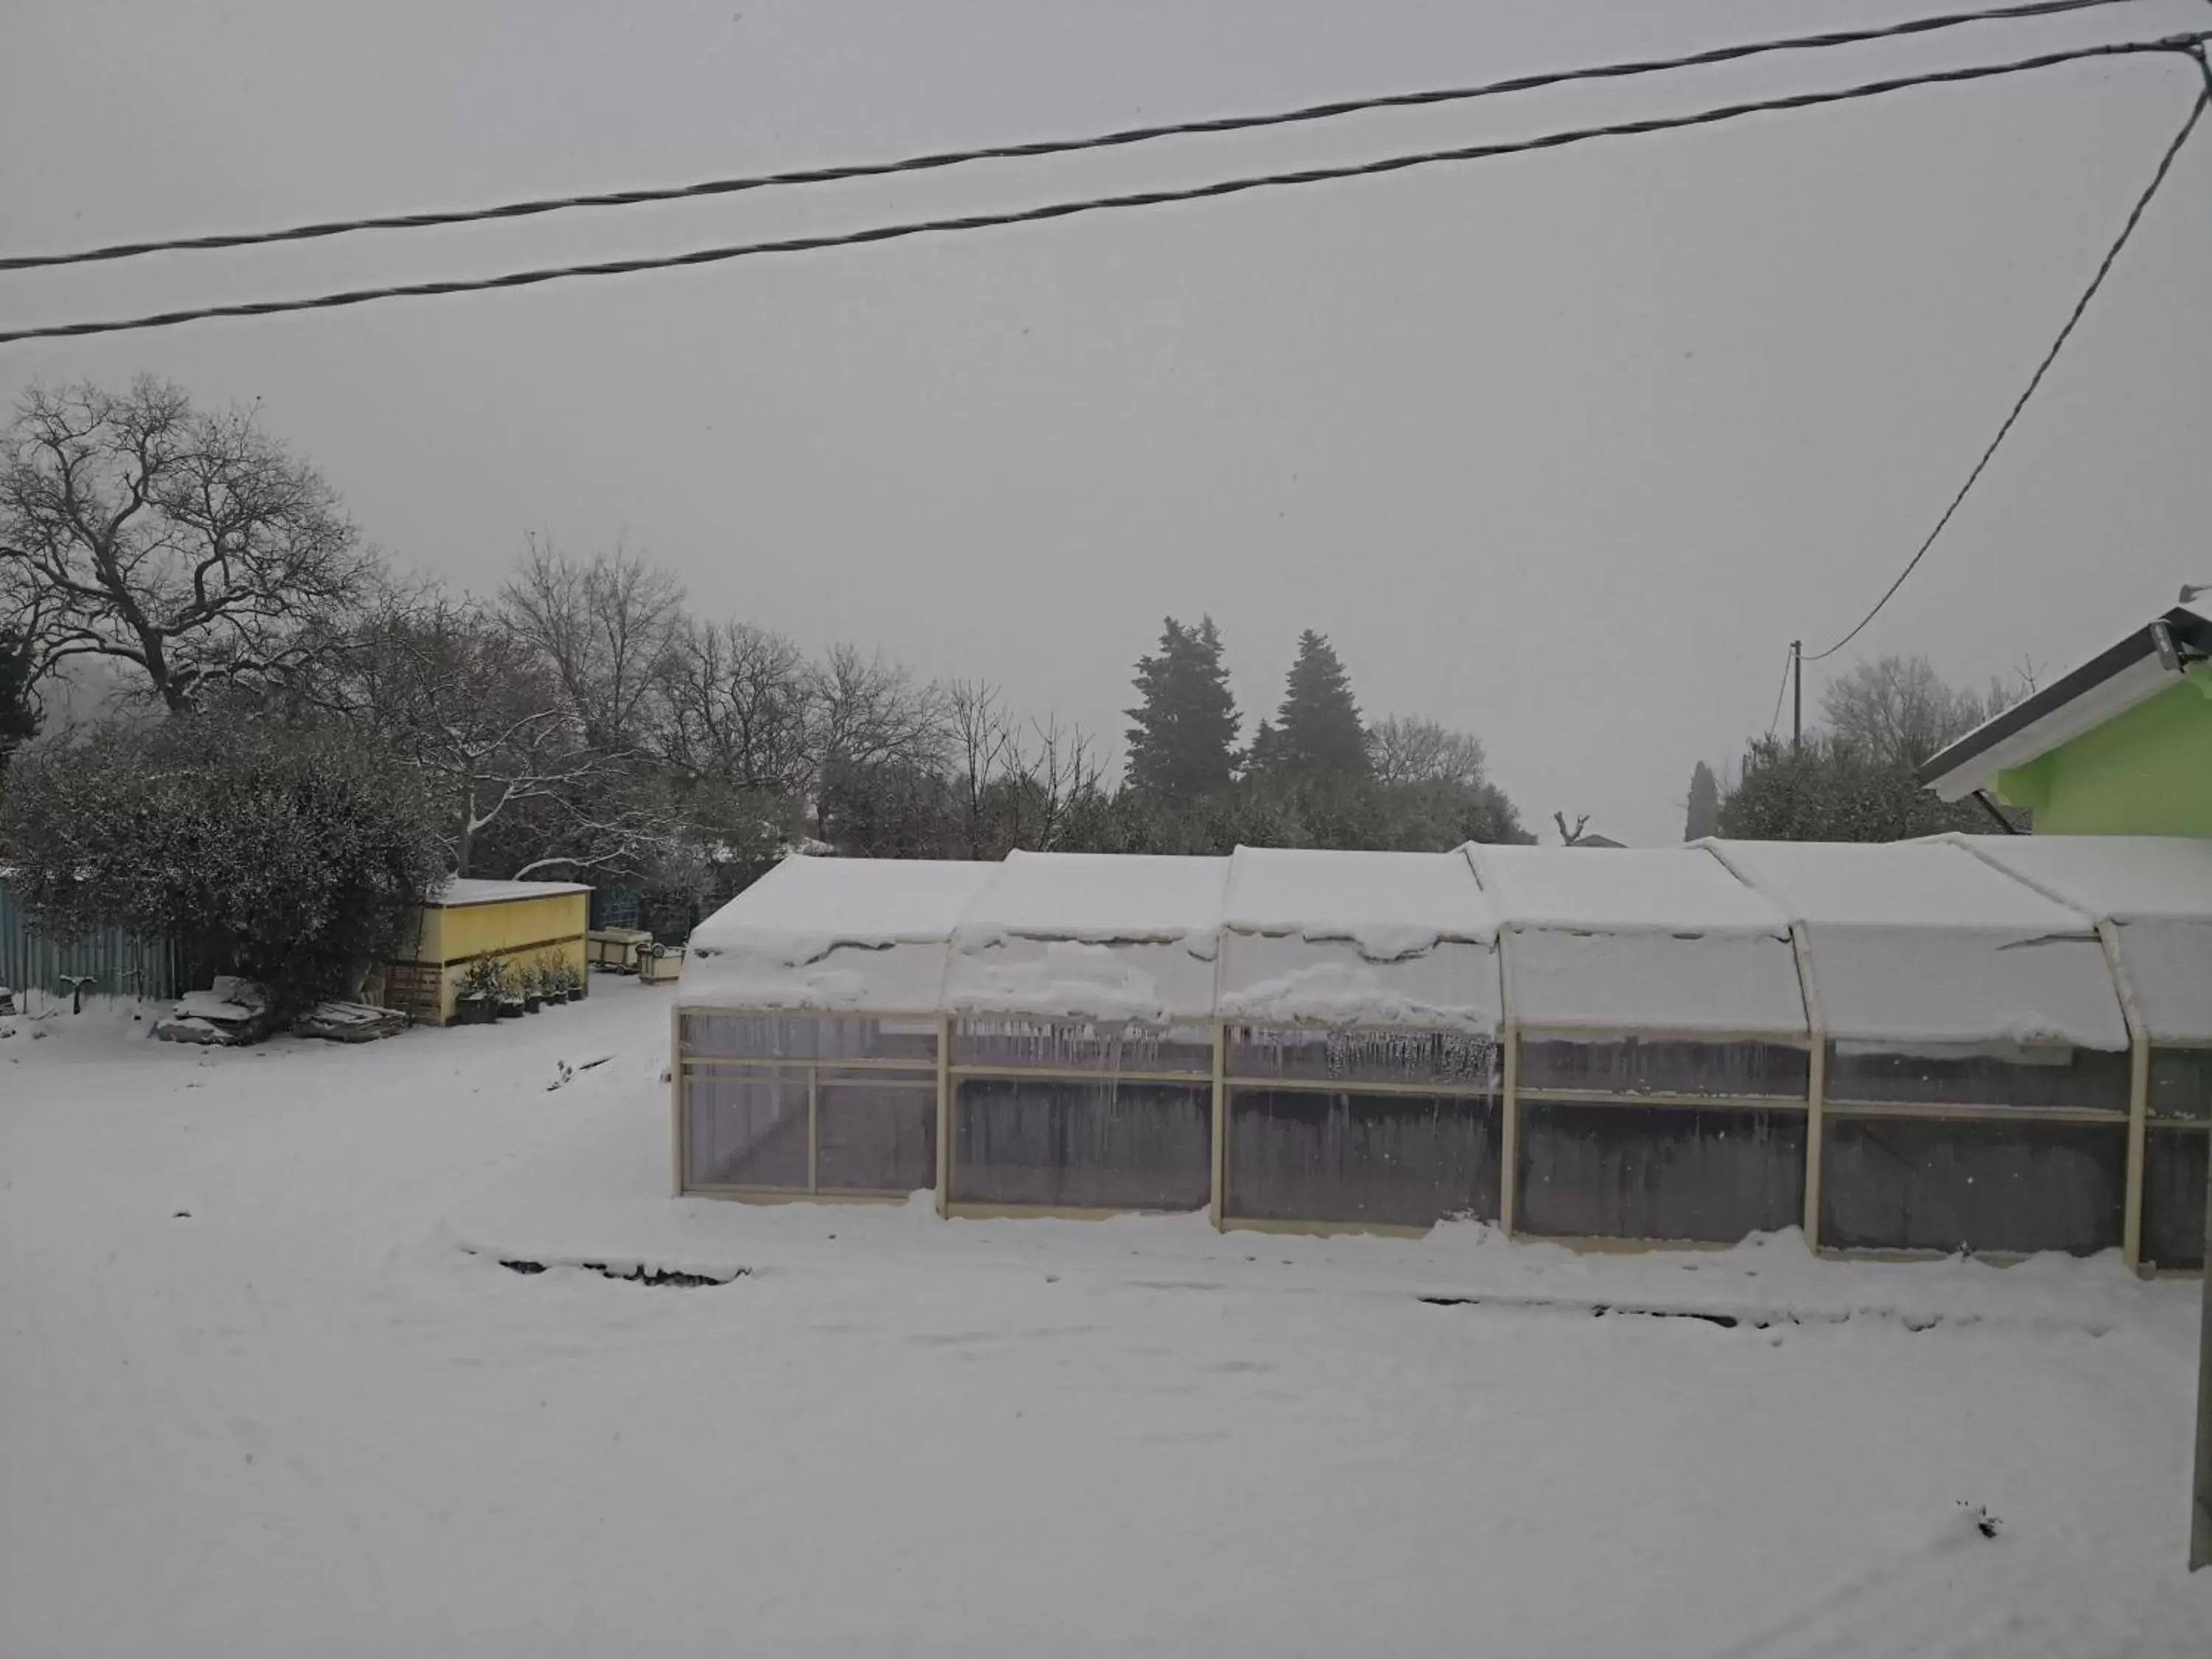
pixel 1102 204
pixel 1053 146
pixel 2082 305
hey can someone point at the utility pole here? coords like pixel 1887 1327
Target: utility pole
pixel 2200 1510
pixel 1797 697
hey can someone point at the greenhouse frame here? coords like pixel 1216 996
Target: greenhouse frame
pixel 1994 1044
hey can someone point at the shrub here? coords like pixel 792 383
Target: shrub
pixel 297 853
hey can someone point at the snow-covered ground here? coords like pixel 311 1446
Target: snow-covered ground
pixel 265 1388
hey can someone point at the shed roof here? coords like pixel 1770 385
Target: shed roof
pixel 460 891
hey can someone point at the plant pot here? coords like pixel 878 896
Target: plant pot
pixel 575 994
pixel 473 1010
pixel 510 1011
pixel 532 1004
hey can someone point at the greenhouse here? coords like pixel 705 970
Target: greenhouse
pixel 1995 1044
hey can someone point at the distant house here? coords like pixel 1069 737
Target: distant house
pixel 1595 841
pixel 2120 746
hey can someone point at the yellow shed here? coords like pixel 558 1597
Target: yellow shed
pixel 519 921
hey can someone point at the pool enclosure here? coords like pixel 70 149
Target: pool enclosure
pixel 1995 1044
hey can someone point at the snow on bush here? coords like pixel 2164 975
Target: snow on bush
pixel 295 853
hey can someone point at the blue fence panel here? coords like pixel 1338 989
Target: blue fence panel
pixel 118 963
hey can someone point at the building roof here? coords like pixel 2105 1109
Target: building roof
pixel 2115 680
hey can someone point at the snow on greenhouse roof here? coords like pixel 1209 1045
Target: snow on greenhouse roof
pixel 1097 897
pixel 1357 938
pixel 1091 936
pixel 836 932
pixel 1642 938
pixel 1921 941
pixel 1391 904
pixel 2156 890
pixel 2112 878
pixel 1665 888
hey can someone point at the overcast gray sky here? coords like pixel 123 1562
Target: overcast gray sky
pixel 1561 449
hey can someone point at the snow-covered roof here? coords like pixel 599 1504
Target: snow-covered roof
pixel 1651 939
pixel 1922 941
pixel 1359 939
pixel 2156 890
pixel 1945 940
pixel 2125 673
pixel 1093 936
pixel 468 890
pixel 816 933
pixel 1097 897
pixel 2110 877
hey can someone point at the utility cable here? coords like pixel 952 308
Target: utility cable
pixel 1788 661
pixel 709 187
pixel 2082 305
pixel 1105 203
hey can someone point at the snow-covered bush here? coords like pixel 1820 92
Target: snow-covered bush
pixel 296 854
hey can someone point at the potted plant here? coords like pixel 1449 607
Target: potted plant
pixel 571 979
pixel 509 996
pixel 560 982
pixel 530 979
pixel 478 1001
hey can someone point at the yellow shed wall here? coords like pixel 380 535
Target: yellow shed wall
pixel 517 930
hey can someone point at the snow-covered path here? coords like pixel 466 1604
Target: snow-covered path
pixel 303 1419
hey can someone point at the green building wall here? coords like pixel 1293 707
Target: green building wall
pixel 2148 772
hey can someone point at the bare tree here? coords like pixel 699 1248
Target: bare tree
pixel 1899 709
pixel 1408 749
pixel 869 711
pixel 737 707
pixel 190 546
pixel 1016 785
pixel 475 709
pixel 1570 837
pixel 606 628
pixel 872 728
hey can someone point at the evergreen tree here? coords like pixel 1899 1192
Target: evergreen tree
pixel 1183 742
pixel 1317 729
pixel 19 706
pixel 1705 817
